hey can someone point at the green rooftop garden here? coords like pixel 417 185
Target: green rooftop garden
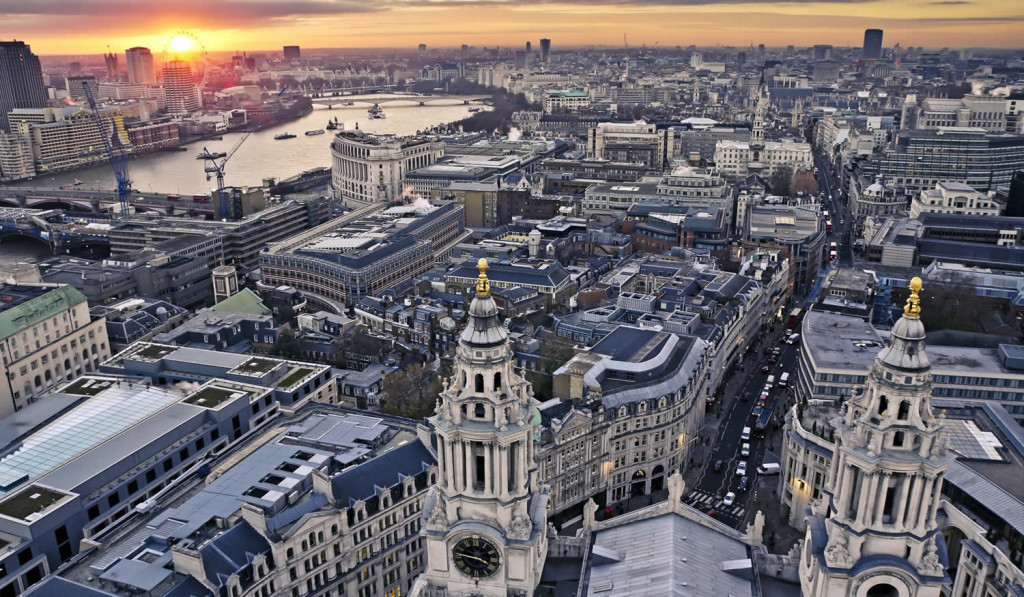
pixel 87 386
pixel 209 397
pixel 294 377
pixel 155 351
pixel 34 499
pixel 257 366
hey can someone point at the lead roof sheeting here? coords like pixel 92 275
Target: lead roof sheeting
pixel 988 494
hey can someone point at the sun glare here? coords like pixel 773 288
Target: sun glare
pixel 181 43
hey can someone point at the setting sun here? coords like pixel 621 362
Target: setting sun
pixel 181 43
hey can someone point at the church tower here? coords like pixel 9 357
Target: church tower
pixel 756 163
pixel 485 520
pixel 874 533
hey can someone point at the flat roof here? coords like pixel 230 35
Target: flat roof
pixel 836 341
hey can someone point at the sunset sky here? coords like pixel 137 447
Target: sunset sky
pixel 90 26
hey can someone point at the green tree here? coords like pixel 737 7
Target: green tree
pixel 287 345
pixel 411 392
pixel 555 352
pixel 782 181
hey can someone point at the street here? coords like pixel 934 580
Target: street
pixel 842 222
pixel 711 487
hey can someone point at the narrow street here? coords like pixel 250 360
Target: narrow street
pixel 707 488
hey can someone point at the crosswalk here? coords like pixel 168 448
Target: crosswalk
pixel 704 501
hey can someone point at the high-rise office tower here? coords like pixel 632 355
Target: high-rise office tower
pixel 75 69
pixel 21 80
pixel 545 50
pixel 110 60
pixel 422 48
pixel 822 52
pixel 292 53
pixel 872 44
pixel 179 88
pixel 140 65
pixel 528 46
pixel 76 85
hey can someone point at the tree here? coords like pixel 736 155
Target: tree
pixel 555 352
pixel 782 181
pixel 287 345
pixel 411 392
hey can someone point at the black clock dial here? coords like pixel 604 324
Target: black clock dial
pixel 476 557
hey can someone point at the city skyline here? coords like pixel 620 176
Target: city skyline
pixel 60 27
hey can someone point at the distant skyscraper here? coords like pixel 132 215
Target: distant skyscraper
pixel 292 53
pixel 822 52
pixel 872 44
pixel 422 48
pixel 76 85
pixel 139 62
pixel 21 80
pixel 179 88
pixel 110 60
pixel 545 50
pixel 528 46
pixel 75 69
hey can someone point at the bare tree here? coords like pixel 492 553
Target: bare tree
pixel 411 392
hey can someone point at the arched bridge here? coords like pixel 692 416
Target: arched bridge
pixel 409 100
pixel 61 233
pixel 93 200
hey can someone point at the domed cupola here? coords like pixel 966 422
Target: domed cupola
pixel 484 329
pixel 906 350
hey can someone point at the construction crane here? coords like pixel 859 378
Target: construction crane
pixel 217 169
pixel 118 161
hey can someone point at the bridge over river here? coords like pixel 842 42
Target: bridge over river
pixel 412 99
pixel 92 200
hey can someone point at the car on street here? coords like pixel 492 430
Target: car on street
pixel 745 450
pixel 773 359
pixel 776 351
pixel 718 466
pixel 713 513
pixel 741 468
pixel 744 483
pixel 756 412
pixel 766 368
pixel 762 402
pixel 730 498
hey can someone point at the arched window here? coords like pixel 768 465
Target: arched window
pixel 67 364
pixel 47 376
pixel 479 382
pixel 334 529
pixel 463 384
pixel 85 356
pixel 28 389
pixel 479 411
pixel 38 381
pixel 897 439
pixel 883 405
pixel 904 410
pixel 497 381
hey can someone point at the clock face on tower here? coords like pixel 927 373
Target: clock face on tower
pixel 476 557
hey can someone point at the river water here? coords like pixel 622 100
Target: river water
pixel 261 156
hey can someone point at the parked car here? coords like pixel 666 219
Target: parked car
pixel 762 401
pixel 756 412
pixel 744 483
pixel 741 468
pixel 745 450
pixel 713 513
pixel 718 466
pixel 730 498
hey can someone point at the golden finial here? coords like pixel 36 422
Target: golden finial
pixel 483 287
pixel 913 307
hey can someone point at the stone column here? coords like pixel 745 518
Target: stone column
pixel 936 496
pixel 467 455
pixel 501 469
pixel 880 501
pixel 915 501
pixel 846 490
pixel 488 469
pixel 866 495
pixel 901 502
pixel 452 472
pixel 920 516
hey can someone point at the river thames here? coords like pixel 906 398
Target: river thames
pixel 261 155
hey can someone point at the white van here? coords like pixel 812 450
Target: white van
pixel 769 468
pixel 783 379
pixel 745 436
pixel 792 339
pixel 771 382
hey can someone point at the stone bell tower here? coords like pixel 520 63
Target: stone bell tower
pixel 485 520
pixel 874 533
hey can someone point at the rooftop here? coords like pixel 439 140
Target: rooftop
pixel 22 305
pixel 835 341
